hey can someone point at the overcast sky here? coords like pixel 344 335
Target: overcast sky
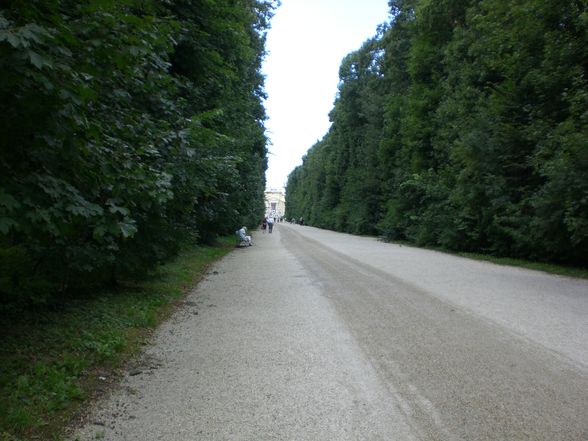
pixel 306 43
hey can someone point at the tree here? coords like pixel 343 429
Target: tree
pixel 462 125
pixel 130 126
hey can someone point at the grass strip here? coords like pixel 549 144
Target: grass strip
pixel 51 362
pixel 550 268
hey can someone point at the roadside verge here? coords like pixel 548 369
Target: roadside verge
pixel 52 362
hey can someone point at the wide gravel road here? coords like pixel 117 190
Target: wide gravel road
pixel 316 335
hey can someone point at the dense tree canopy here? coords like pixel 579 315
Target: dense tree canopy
pixel 461 124
pixel 127 126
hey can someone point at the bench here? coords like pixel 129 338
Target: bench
pixel 239 241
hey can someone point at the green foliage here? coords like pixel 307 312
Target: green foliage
pixel 462 124
pixel 128 126
pixel 339 177
pixel 51 360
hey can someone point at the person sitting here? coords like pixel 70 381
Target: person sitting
pixel 242 234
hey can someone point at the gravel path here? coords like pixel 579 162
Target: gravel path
pixel 547 309
pixel 314 335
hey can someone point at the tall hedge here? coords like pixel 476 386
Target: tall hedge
pixel 127 127
pixel 461 124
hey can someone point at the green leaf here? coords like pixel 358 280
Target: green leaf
pixel 3 22
pixel 13 39
pixel 127 229
pixel 122 210
pixel 9 202
pixel 37 60
pixel 6 224
pixel 99 231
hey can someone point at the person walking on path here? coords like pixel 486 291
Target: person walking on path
pixel 270 224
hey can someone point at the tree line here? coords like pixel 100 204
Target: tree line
pixel 127 128
pixel 462 124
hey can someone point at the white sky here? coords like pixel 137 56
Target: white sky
pixel 306 44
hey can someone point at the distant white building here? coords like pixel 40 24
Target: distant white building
pixel 275 203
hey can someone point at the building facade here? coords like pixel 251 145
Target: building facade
pixel 275 203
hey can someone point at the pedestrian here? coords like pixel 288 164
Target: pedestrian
pixel 244 237
pixel 263 225
pixel 270 224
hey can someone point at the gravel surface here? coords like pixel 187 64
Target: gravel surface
pixel 315 335
pixel 547 309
